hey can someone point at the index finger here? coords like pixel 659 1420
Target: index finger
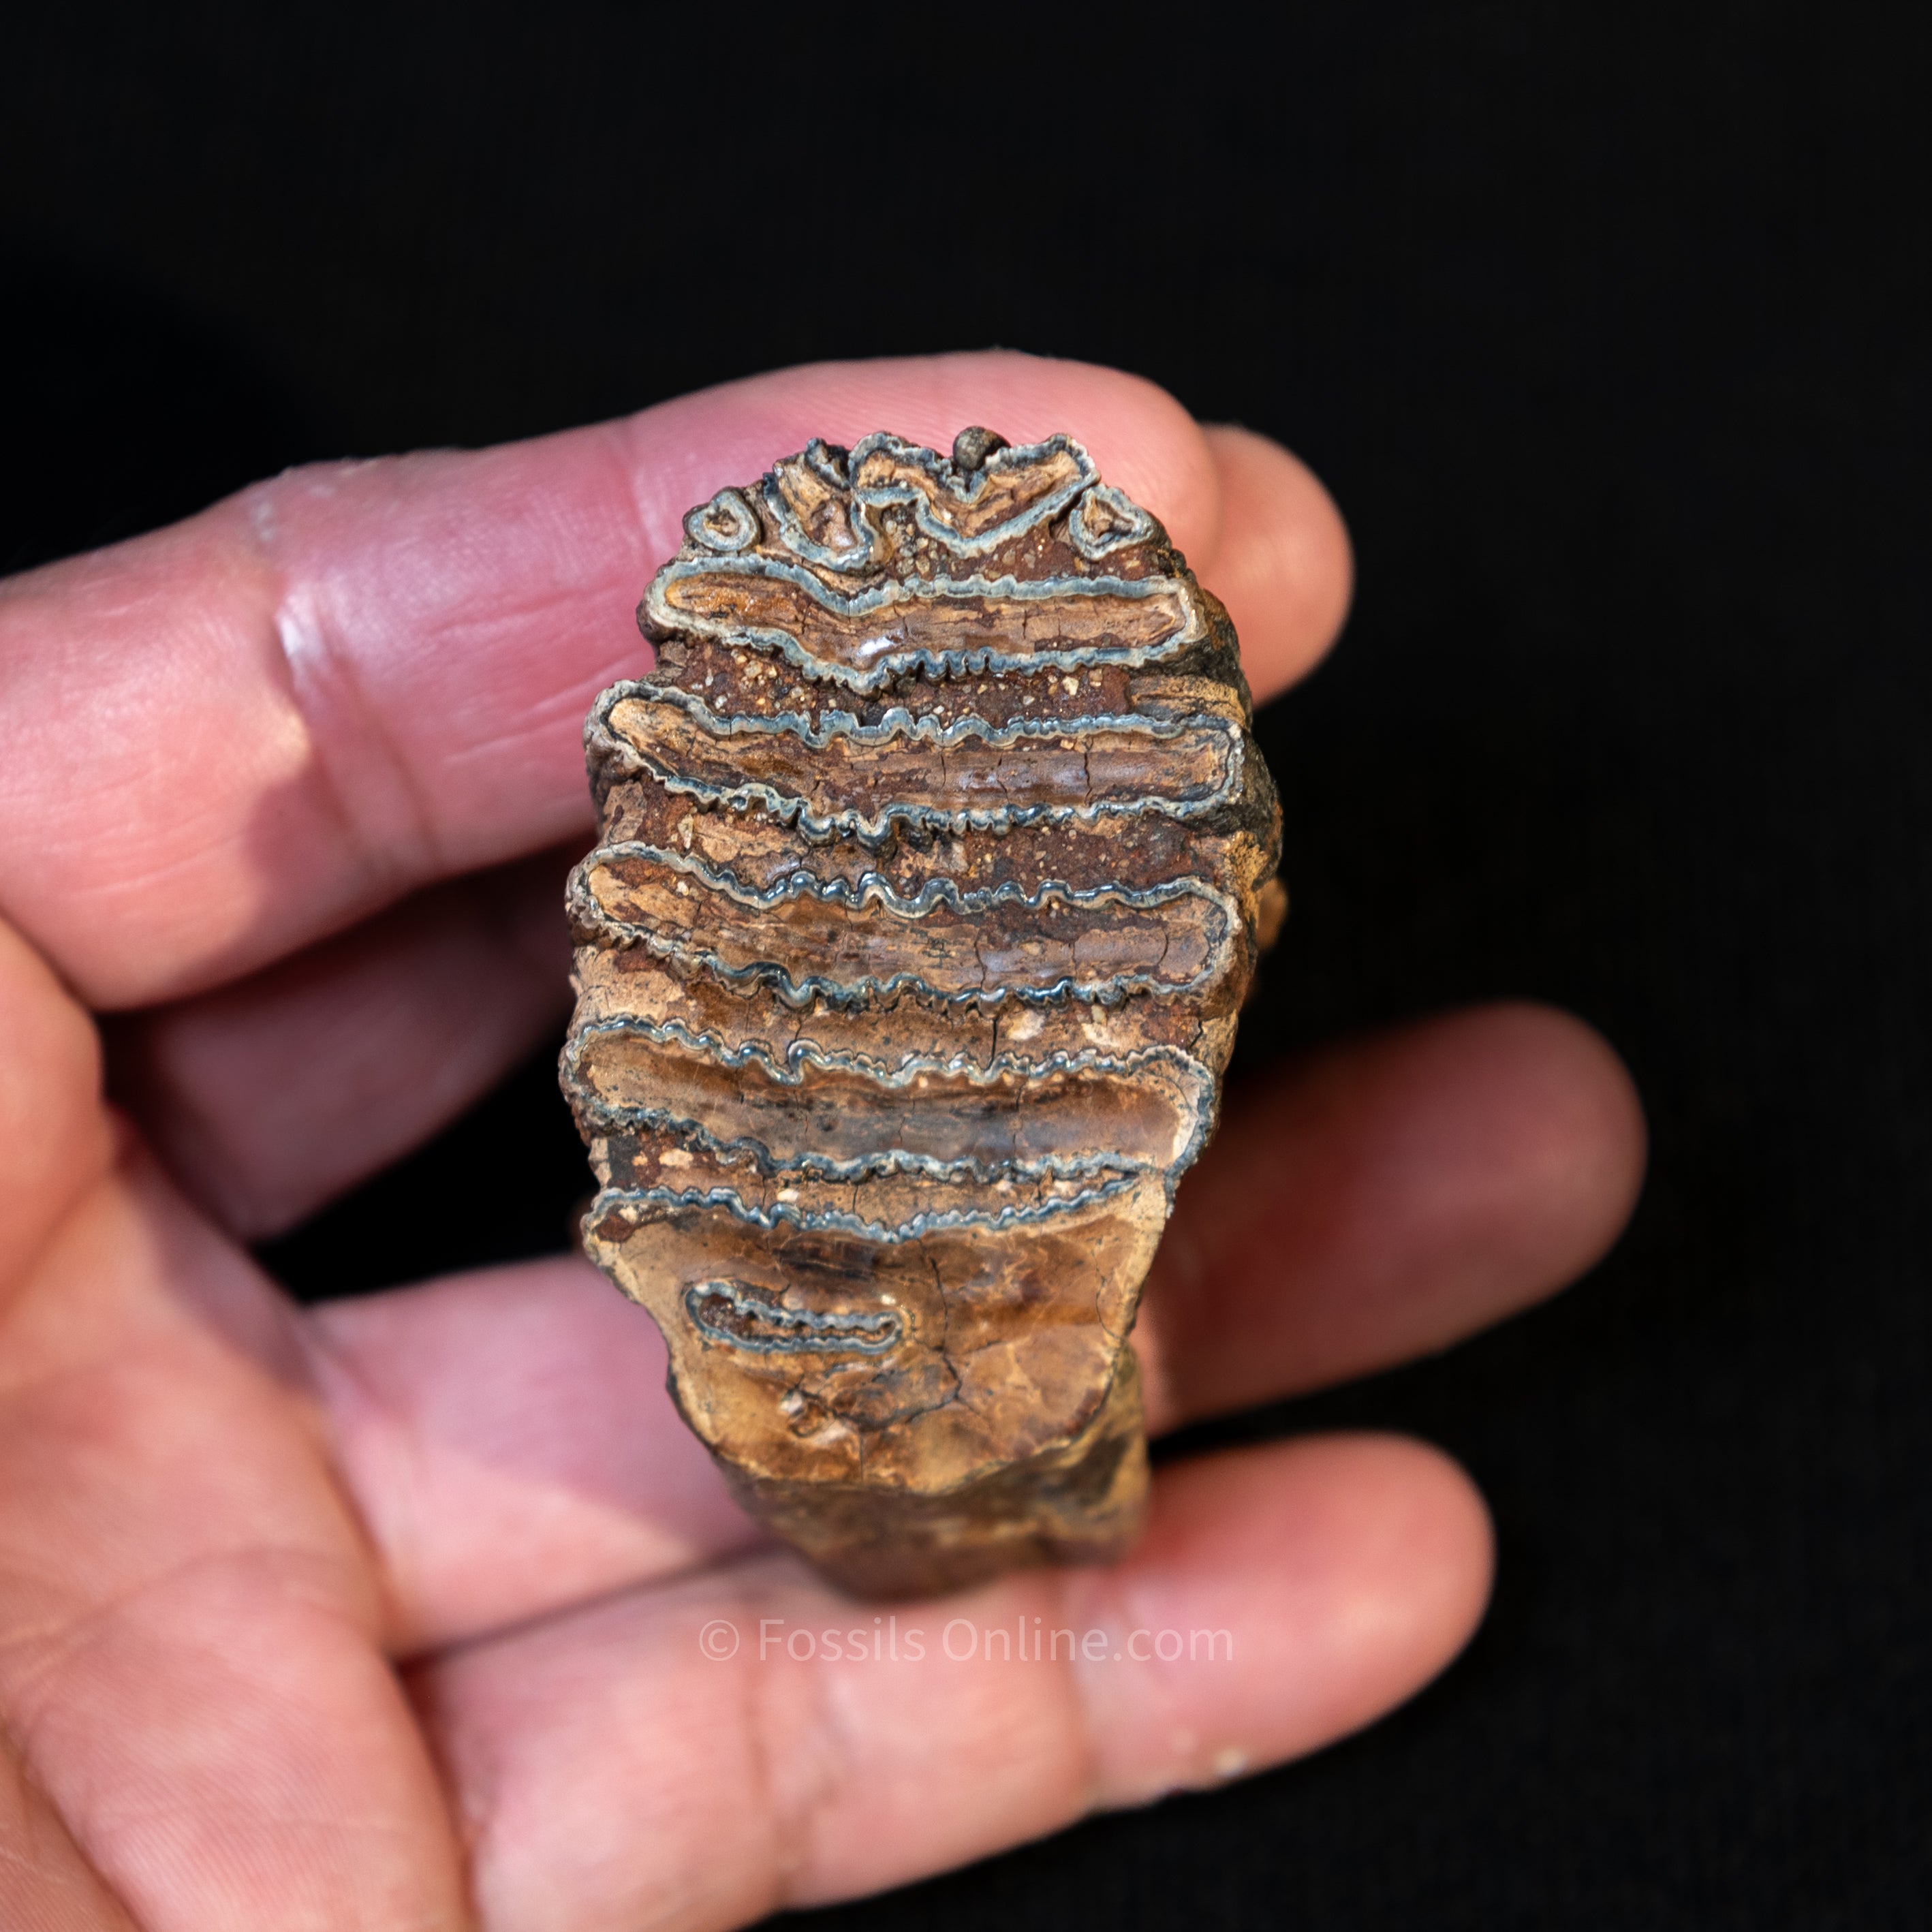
pixel 233 737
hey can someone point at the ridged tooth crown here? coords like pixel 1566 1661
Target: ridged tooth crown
pixel 934 853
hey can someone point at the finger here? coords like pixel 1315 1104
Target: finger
pixel 55 1142
pixel 1388 1197
pixel 270 1096
pixel 1283 565
pixel 1317 1584
pixel 508 1444
pixel 356 678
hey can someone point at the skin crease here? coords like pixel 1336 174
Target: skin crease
pixel 386 1614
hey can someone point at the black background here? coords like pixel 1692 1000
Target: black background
pixel 1607 331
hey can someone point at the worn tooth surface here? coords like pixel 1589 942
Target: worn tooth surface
pixel 934 854
pixel 849 780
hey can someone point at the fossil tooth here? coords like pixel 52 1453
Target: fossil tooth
pixel 936 857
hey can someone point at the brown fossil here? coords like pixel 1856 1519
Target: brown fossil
pixel 935 856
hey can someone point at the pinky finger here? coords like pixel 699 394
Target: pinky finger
pixel 704 1753
pixel 1291 1595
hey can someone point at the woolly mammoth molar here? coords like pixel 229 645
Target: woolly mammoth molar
pixel 936 854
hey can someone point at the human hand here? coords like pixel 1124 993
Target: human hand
pixel 393 1613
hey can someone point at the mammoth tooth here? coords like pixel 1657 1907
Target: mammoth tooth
pixel 934 857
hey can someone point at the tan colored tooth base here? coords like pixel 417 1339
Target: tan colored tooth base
pixel 1080 1503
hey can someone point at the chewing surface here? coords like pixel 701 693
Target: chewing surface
pixel 934 855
